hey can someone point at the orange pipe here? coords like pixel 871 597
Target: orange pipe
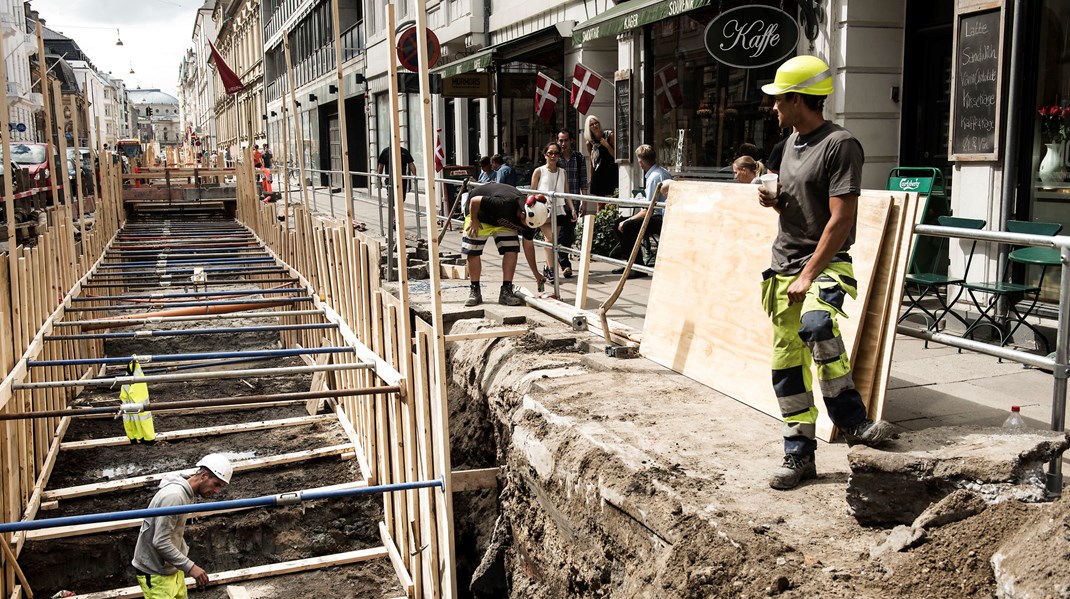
pixel 192 311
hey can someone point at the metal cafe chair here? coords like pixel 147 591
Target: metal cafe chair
pixel 1015 292
pixel 934 284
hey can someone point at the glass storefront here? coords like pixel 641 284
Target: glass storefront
pixel 719 107
pixel 523 133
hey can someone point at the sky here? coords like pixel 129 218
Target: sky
pixel 155 34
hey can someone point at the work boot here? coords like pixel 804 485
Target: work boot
pixel 507 297
pixel 794 470
pixel 475 296
pixel 869 433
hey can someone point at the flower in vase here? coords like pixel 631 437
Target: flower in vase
pixel 1053 123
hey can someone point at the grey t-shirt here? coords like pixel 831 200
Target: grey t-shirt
pixel 824 163
pixel 160 547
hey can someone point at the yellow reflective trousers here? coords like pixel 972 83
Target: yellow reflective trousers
pixel 138 425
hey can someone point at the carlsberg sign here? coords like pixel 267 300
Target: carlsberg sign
pixel 752 36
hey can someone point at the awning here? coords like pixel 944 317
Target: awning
pixel 469 63
pixel 630 15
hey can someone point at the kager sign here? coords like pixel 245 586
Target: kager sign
pixel 749 37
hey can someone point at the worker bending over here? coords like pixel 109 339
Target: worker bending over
pixel 811 273
pixel 160 558
pixel 501 211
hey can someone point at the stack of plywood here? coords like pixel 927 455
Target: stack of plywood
pixel 705 317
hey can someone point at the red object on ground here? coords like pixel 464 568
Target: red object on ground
pixel 137 182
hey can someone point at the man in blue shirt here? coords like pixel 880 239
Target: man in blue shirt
pixel 505 173
pixel 627 230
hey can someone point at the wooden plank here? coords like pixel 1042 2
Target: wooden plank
pixel 347 426
pixel 207 431
pixel 474 480
pixel 319 383
pixel 256 572
pixel 42 480
pixel 396 561
pixel 236 592
pixel 487 334
pixel 98 488
pixel 583 274
pixel 706 318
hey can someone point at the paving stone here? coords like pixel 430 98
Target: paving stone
pixel 896 483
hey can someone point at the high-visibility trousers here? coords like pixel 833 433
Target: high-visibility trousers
pixel 138 425
pixel 265 180
pixel 805 333
pixel 155 586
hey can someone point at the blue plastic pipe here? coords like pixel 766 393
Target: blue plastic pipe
pixel 167 306
pixel 262 353
pixel 94 298
pixel 282 499
pixel 248 260
pixel 185 332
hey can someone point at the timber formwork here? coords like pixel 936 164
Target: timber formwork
pixel 319 282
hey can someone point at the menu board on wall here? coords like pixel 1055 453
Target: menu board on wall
pixel 622 108
pixel 976 81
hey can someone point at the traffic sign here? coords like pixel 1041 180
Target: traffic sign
pixel 407 54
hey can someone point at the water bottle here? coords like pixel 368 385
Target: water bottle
pixel 1014 422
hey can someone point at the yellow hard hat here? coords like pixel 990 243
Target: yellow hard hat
pixel 803 75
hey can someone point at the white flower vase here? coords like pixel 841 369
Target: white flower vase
pixel 1052 169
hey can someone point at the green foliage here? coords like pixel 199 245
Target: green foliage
pixel 605 242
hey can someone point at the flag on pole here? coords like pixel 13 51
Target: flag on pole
pixel 585 84
pixel 440 154
pixel 231 82
pixel 667 89
pixel 547 93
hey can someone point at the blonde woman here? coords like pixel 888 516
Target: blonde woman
pixel 603 167
pixel 747 170
pixel 551 178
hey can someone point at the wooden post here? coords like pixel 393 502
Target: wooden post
pixel 297 119
pixel 61 127
pixel 347 182
pixel 78 172
pixel 285 175
pixel 10 557
pixel 45 97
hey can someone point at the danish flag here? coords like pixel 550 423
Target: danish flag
pixel 547 93
pixel 585 84
pixel 667 89
pixel 440 154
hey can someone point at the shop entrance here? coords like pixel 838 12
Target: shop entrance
pixel 927 86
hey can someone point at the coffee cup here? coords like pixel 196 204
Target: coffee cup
pixel 769 182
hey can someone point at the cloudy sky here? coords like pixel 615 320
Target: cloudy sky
pixel 155 35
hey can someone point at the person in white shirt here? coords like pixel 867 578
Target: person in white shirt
pixel 552 178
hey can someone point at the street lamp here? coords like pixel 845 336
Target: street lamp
pixel 118 38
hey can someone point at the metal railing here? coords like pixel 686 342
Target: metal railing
pixel 1057 362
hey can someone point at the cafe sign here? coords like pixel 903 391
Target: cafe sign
pixel 753 36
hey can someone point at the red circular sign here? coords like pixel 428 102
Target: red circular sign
pixel 407 51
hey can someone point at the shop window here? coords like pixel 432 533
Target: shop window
pixel 718 108
pixel 523 133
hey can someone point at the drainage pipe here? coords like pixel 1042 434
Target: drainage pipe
pixel 142 286
pixel 156 273
pixel 243 302
pixel 125 322
pixel 246 400
pixel 203 312
pixel 199 365
pixel 282 499
pixel 150 359
pixel 231 293
pixel 194 376
pixel 121 265
pixel 126 257
pixel 185 332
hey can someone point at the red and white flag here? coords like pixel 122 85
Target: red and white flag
pixel 440 154
pixel 547 93
pixel 585 84
pixel 667 89
pixel 231 82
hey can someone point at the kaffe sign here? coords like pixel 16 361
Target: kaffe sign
pixel 749 37
pixel 975 88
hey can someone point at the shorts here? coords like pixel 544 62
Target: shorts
pixel 507 240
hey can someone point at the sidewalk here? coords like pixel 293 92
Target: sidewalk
pixel 930 387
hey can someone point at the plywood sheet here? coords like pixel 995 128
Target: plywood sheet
pixel 705 317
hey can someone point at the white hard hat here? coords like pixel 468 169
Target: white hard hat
pixel 219 465
pixel 536 211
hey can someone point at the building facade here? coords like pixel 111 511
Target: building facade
pixel 240 117
pixel 157 118
pixel 19 43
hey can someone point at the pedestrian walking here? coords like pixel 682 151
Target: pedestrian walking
pixel 407 165
pixel 551 178
pixel 267 157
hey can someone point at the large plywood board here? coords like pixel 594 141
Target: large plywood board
pixel 705 317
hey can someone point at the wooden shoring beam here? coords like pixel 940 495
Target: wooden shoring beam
pixel 396 560
pixel 207 431
pixel 487 334
pixel 34 504
pixel 255 572
pixel 351 433
pixel 76 530
pixel 99 488
pixel 474 480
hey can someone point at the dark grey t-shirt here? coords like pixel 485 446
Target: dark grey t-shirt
pixel 824 163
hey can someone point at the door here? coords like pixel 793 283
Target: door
pixel 334 135
pixel 927 86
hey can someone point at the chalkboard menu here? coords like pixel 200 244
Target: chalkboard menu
pixel 623 116
pixel 975 89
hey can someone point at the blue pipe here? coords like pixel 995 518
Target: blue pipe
pixel 169 305
pixel 249 260
pixel 152 274
pixel 184 332
pixel 93 298
pixel 282 499
pixel 264 353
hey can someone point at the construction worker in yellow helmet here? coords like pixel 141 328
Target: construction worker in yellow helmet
pixel 804 289
pixel 161 559
pixel 137 423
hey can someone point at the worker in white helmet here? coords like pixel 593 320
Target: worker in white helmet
pixel 160 558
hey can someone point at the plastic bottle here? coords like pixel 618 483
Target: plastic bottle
pixel 1014 422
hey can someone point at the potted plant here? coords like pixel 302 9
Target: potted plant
pixel 1053 132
